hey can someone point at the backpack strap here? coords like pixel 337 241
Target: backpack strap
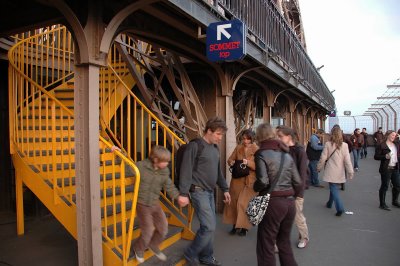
pixel 200 146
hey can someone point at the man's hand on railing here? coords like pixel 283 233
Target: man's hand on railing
pixel 115 148
pixel 183 201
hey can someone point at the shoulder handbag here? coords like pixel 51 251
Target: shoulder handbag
pixel 326 161
pixel 239 169
pixel 258 205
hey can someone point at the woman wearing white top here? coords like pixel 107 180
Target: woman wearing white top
pixel 388 153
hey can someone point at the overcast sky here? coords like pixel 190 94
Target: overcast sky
pixel 358 42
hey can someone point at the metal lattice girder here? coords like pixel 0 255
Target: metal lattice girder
pixel 151 61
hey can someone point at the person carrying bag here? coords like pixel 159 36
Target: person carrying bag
pixel 276 224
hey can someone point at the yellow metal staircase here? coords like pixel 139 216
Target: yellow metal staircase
pixel 42 142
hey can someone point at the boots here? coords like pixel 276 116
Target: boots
pixel 395 197
pixel 382 203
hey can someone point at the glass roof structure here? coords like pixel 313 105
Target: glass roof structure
pixel 385 110
pixel 382 113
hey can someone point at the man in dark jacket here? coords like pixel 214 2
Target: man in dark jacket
pixel 364 152
pixel 198 177
pixel 314 150
pixel 378 136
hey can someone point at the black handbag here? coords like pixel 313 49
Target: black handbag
pixel 239 169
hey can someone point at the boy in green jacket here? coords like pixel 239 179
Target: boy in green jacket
pixel 154 175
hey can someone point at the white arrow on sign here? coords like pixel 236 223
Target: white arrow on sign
pixel 221 29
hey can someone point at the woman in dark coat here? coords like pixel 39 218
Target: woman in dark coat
pixel 278 219
pixel 388 153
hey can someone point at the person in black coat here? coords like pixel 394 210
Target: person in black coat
pixel 388 152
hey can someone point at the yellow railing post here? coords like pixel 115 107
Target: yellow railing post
pixel 20 203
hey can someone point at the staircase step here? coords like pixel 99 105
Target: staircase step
pixel 71 165
pixel 173 246
pixel 50 152
pixel 36 127
pixel 109 177
pixel 44 134
pixel 59 166
pixel 44 140
pixel 174 254
pixel 44 107
pixel 109 191
pixel 43 117
pixel 67 152
pixel 110 208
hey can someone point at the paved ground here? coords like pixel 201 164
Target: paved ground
pixel 368 237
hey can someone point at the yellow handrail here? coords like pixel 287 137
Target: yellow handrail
pixel 40 123
pixel 122 110
pixel 41 131
pixel 126 237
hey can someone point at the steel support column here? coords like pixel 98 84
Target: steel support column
pixel 87 165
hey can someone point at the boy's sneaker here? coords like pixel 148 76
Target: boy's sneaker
pixel 139 256
pixel 302 243
pixel 161 256
pixel 213 262
pixel 190 261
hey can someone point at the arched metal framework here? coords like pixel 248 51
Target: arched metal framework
pixel 389 104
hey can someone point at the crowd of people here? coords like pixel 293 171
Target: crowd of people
pixel 271 156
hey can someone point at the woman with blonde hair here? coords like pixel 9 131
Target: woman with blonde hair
pixel 241 189
pixel 335 158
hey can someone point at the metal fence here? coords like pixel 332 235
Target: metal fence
pixel 349 123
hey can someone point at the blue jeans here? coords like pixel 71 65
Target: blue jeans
pixel 312 165
pixel 356 155
pixel 334 197
pixel 202 246
pixel 363 152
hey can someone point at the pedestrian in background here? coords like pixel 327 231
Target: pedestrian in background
pixel 388 152
pixel 277 223
pixel 335 159
pixel 314 149
pixel 357 141
pixel 241 189
pixel 364 151
pixel 378 136
pixel 289 136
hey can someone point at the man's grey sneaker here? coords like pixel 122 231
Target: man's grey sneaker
pixel 139 256
pixel 212 262
pixel 190 261
pixel 159 254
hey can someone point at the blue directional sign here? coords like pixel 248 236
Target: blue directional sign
pixel 226 40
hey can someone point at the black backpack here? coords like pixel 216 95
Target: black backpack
pixel 179 157
pixel 313 155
